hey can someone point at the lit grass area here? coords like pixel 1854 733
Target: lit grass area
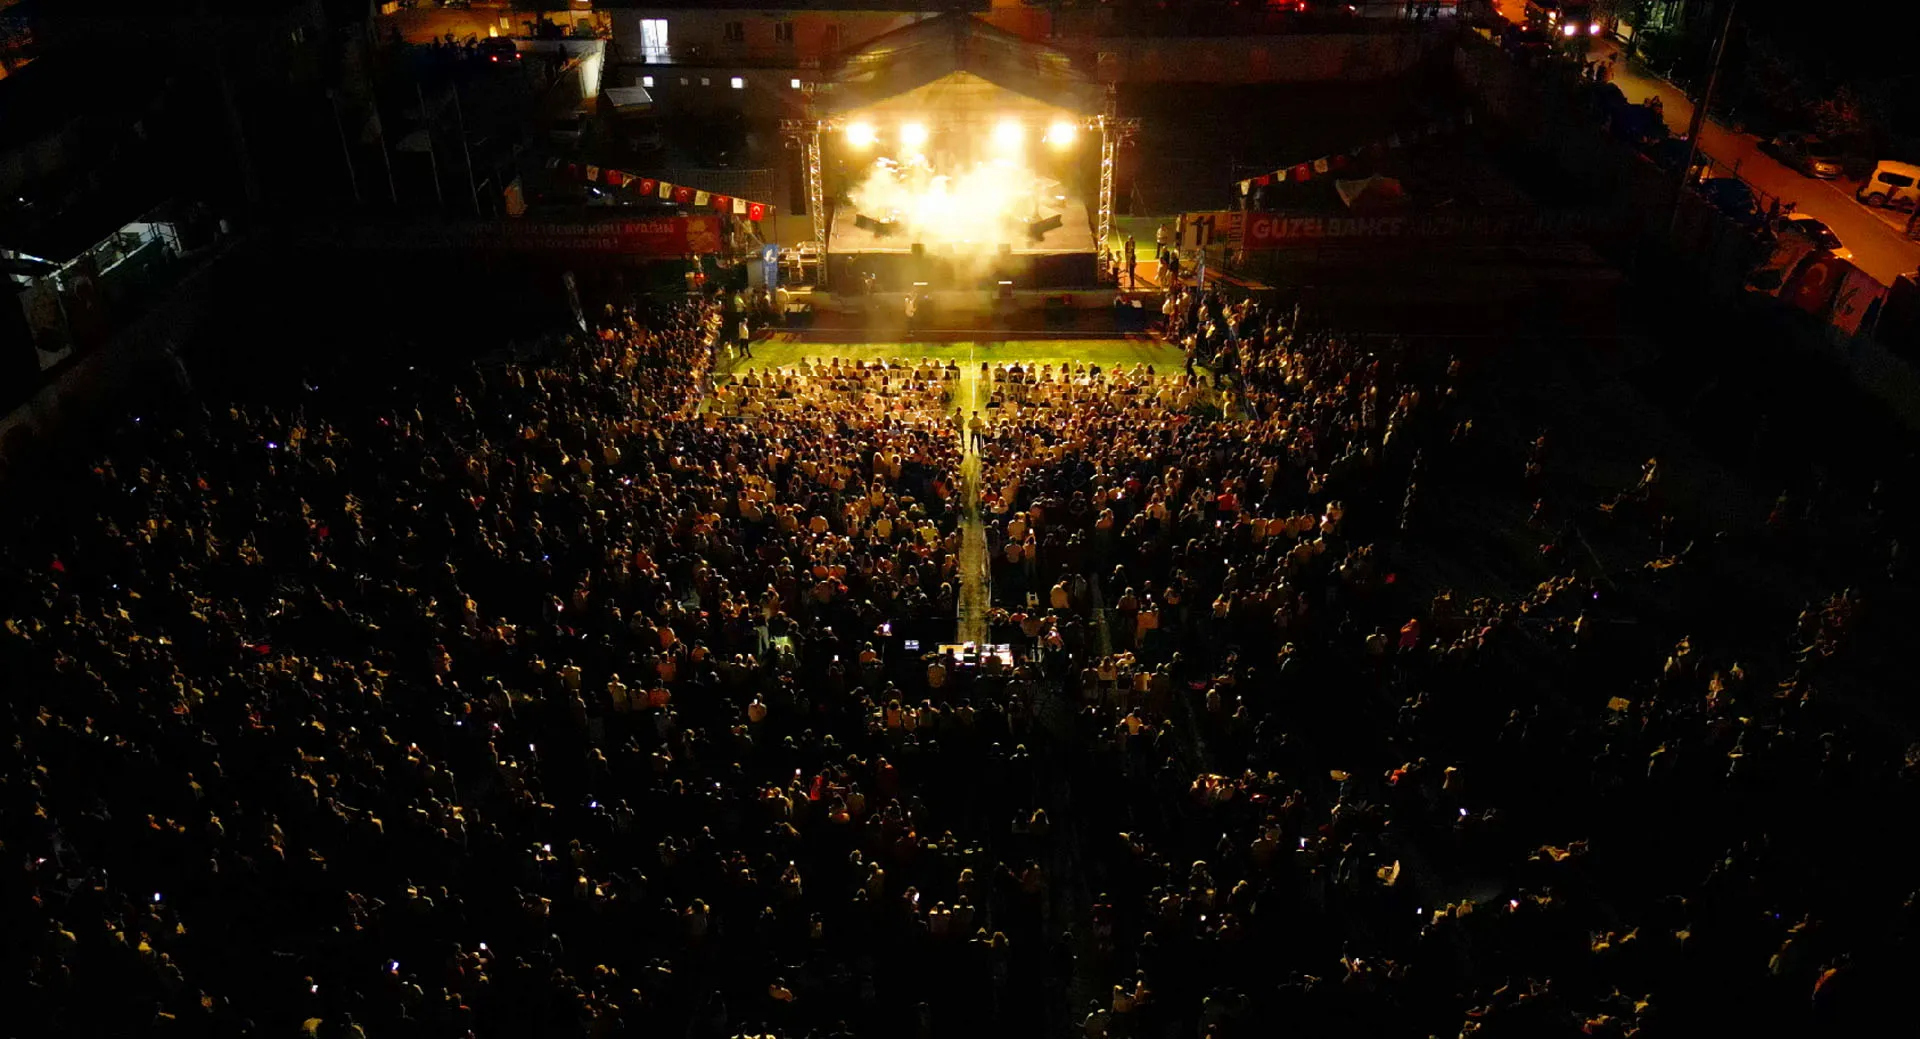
pixel 782 349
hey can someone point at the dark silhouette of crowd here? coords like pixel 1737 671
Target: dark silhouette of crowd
pixel 578 693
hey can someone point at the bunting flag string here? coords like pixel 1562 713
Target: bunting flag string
pixel 666 191
pixel 1340 161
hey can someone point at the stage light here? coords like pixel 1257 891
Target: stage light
pixel 861 135
pixel 913 135
pixel 1007 134
pixel 1061 134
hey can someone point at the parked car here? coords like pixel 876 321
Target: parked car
pixel 1733 198
pixel 1669 154
pixel 1812 156
pixel 1817 232
pixel 1527 45
pixel 497 50
pixel 1895 184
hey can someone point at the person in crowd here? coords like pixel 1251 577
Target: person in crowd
pixel 596 691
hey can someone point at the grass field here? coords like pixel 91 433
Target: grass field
pixel 784 349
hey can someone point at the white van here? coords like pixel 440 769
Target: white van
pixel 1895 184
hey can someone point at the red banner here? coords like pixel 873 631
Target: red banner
pixel 657 237
pixel 1296 230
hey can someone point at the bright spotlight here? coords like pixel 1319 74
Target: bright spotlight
pixel 1061 134
pixel 861 135
pixel 913 135
pixel 1007 134
pixel 1570 29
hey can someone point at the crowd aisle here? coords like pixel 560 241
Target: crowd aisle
pixel 583 695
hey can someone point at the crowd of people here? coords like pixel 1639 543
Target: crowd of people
pixel 596 692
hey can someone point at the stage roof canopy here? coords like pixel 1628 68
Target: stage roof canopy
pixel 946 65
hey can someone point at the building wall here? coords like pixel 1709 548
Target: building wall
pixel 1315 58
pixel 700 37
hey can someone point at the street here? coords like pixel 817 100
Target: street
pixel 1879 246
pixel 426 24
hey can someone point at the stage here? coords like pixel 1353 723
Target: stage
pixel 1060 258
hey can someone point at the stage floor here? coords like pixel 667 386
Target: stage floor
pixel 1074 235
pixel 785 348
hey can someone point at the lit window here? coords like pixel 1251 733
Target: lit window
pixel 653 39
pixel 646 81
pixel 705 82
pixel 738 83
pixel 795 84
pixel 736 32
pixel 683 81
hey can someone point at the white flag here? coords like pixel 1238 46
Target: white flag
pixel 700 198
pixel 739 207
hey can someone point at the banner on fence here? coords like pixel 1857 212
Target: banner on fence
pixel 1291 230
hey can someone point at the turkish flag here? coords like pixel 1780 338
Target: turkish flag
pixel 1263 180
pixel 1340 162
pixel 615 178
pixel 1302 172
pixel 573 169
pixel 1817 283
pixel 721 202
pixel 683 194
pixel 648 185
pixel 755 211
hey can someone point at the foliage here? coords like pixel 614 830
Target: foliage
pixel 1658 48
pixel 1856 111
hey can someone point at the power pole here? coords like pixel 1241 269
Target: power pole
pixel 466 150
pixel 353 178
pixel 1700 106
pixel 433 161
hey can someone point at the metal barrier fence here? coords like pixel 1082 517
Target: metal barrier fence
pixel 1765 199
